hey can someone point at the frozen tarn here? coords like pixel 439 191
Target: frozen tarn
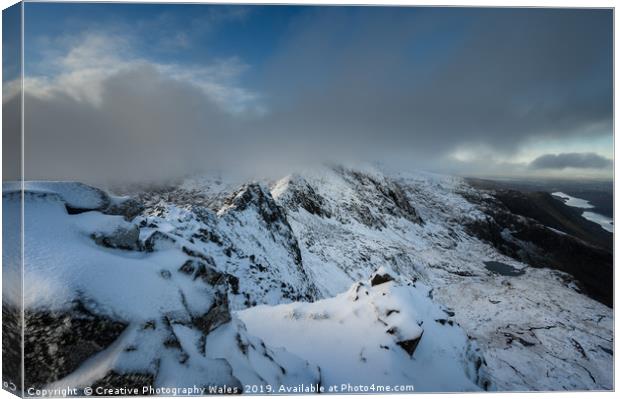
pixel 605 222
pixel 573 201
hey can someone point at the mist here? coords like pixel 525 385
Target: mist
pixel 403 85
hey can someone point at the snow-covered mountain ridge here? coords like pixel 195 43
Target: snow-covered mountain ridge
pixel 233 284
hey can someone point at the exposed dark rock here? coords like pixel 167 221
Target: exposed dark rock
pixel 217 315
pixel 512 337
pixel 530 241
pixel 380 279
pixel 209 275
pixel 386 196
pixel 189 267
pixel 234 284
pixel 149 325
pixel 158 240
pixel 254 195
pixel 59 342
pixel 11 346
pixel 410 345
pixel 301 194
pixel 129 209
pixel 578 346
pixel 127 238
pixel 200 270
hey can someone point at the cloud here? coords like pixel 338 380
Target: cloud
pixel 410 85
pixel 571 160
pixel 81 71
pixel 108 116
pixel 431 80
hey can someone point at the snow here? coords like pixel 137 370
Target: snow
pixel 63 263
pixel 292 318
pixel 11 247
pixel 443 255
pixel 76 195
pixel 347 337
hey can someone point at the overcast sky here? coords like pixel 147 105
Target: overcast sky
pixel 149 91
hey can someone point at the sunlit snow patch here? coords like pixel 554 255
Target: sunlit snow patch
pixel 382 332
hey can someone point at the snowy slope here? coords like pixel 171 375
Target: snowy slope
pixel 536 330
pixel 387 334
pixel 160 316
pixel 233 282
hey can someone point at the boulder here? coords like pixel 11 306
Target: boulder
pixel 380 278
pixel 122 238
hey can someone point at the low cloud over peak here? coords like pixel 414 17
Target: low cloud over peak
pixel 578 160
pixel 325 83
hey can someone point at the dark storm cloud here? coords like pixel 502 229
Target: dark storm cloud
pixel 571 160
pixel 432 79
pixel 354 83
pixel 145 126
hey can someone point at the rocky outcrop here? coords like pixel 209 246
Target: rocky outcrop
pixel 253 195
pixel 380 278
pixel 58 342
pixel 385 195
pixel 410 345
pixel 128 208
pixel 218 314
pixel 125 237
pixel 295 193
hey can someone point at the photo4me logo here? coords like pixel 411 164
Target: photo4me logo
pixel 148 390
pixel 318 388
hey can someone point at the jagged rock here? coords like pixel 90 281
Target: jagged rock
pixel 410 345
pixel 189 267
pixel 386 196
pixel 127 238
pixel 129 209
pixel 254 194
pixel 159 240
pixel 218 314
pixel 209 275
pixel 57 342
pixel 380 279
pixel 299 193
